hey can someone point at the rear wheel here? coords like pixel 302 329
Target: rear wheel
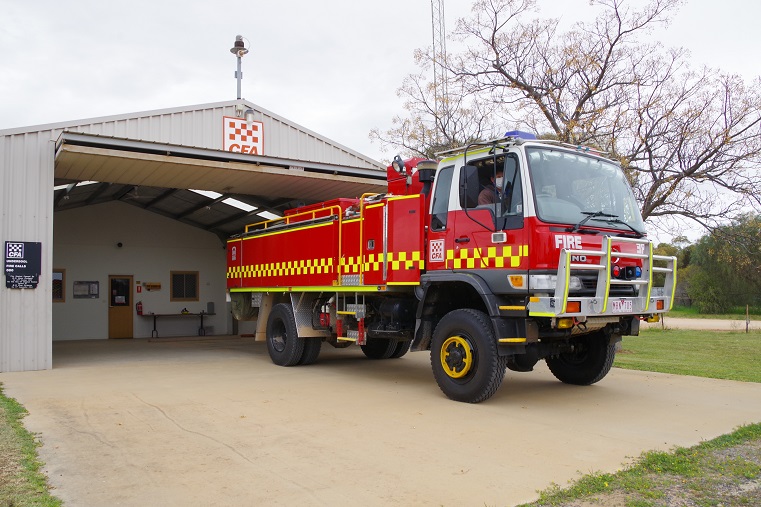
pixel 283 343
pixel 312 348
pixel 402 347
pixel 379 348
pixel 589 361
pixel 464 356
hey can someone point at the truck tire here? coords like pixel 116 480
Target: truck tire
pixel 464 357
pixel 283 343
pixel 379 348
pixel 590 361
pixel 312 348
pixel 402 347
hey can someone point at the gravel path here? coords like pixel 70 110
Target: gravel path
pixel 705 324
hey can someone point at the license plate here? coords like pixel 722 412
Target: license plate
pixel 622 306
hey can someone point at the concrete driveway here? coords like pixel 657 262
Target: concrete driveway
pixel 213 422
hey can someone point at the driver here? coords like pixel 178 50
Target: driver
pixel 488 195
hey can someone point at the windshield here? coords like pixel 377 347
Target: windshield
pixel 574 189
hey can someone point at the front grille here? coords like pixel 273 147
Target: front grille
pixel 589 282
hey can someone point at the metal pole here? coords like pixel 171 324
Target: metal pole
pixel 239 76
pixel 239 49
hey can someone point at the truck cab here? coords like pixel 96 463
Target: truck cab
pixel 557 261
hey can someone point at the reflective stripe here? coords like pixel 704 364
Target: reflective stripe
pixel 315 288
pixel 508 256
pixel 289 268
pixel 396 260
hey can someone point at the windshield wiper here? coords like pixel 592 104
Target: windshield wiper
pixel 590 216
pixel 619 221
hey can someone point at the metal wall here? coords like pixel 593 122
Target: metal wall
pixel 26 202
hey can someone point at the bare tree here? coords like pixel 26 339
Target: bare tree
pixel 683 136
pixel 427 129
pixel 576 83
pixel 693 147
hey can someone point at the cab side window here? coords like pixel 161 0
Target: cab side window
pixel 440 206
pixel 513 193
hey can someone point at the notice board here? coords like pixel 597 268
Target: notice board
pixel 23 263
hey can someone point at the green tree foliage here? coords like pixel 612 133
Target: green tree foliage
pixel 681 249
pixel 726 266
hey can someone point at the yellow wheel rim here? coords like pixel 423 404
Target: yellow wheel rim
pixel 456 356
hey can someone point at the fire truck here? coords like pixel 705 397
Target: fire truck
pixel 501 254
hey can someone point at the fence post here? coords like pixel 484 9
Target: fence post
pixel 747 319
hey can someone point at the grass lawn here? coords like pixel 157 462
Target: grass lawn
pixel 21 482
pixel 721 472
pixel 726 355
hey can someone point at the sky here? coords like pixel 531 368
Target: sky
pixel 332 66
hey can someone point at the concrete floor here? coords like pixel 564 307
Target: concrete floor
pixel 214 422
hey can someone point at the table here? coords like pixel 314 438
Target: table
pixel 155 333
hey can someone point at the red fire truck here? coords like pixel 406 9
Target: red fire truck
pixel 552 264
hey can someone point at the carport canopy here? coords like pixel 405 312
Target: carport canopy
pixel 215 190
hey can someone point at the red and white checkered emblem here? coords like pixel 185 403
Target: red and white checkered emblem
pixel 437 250
pixel 242 137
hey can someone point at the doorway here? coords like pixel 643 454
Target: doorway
pixel 120 306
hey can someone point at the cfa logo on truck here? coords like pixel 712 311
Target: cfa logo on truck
pixel 242 137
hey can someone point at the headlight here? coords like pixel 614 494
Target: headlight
pixel 549 282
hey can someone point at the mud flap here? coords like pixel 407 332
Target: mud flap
pixel 514 329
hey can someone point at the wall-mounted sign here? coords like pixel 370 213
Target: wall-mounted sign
pixel 242 137
pixel 152 286
pixel 23 263
pixel 86 290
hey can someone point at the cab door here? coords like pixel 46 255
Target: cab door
pixel 491 236
pixel 440 226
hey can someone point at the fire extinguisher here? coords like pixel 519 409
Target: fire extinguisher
pixel 139 307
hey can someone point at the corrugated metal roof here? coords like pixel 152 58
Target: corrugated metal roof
pixel 200 126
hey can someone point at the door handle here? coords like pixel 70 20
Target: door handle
pixel 463 239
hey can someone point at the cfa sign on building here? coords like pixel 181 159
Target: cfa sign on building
pixel 242 137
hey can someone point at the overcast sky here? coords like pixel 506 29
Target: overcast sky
pixel 331 66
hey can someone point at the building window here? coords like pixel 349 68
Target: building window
pixel 59 285
pixel 184 285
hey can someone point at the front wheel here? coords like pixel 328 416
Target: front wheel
pixel 464 356
pixel 588 362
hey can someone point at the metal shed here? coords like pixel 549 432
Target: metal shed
pixel 173 162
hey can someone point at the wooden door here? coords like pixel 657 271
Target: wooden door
pixel 120 306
